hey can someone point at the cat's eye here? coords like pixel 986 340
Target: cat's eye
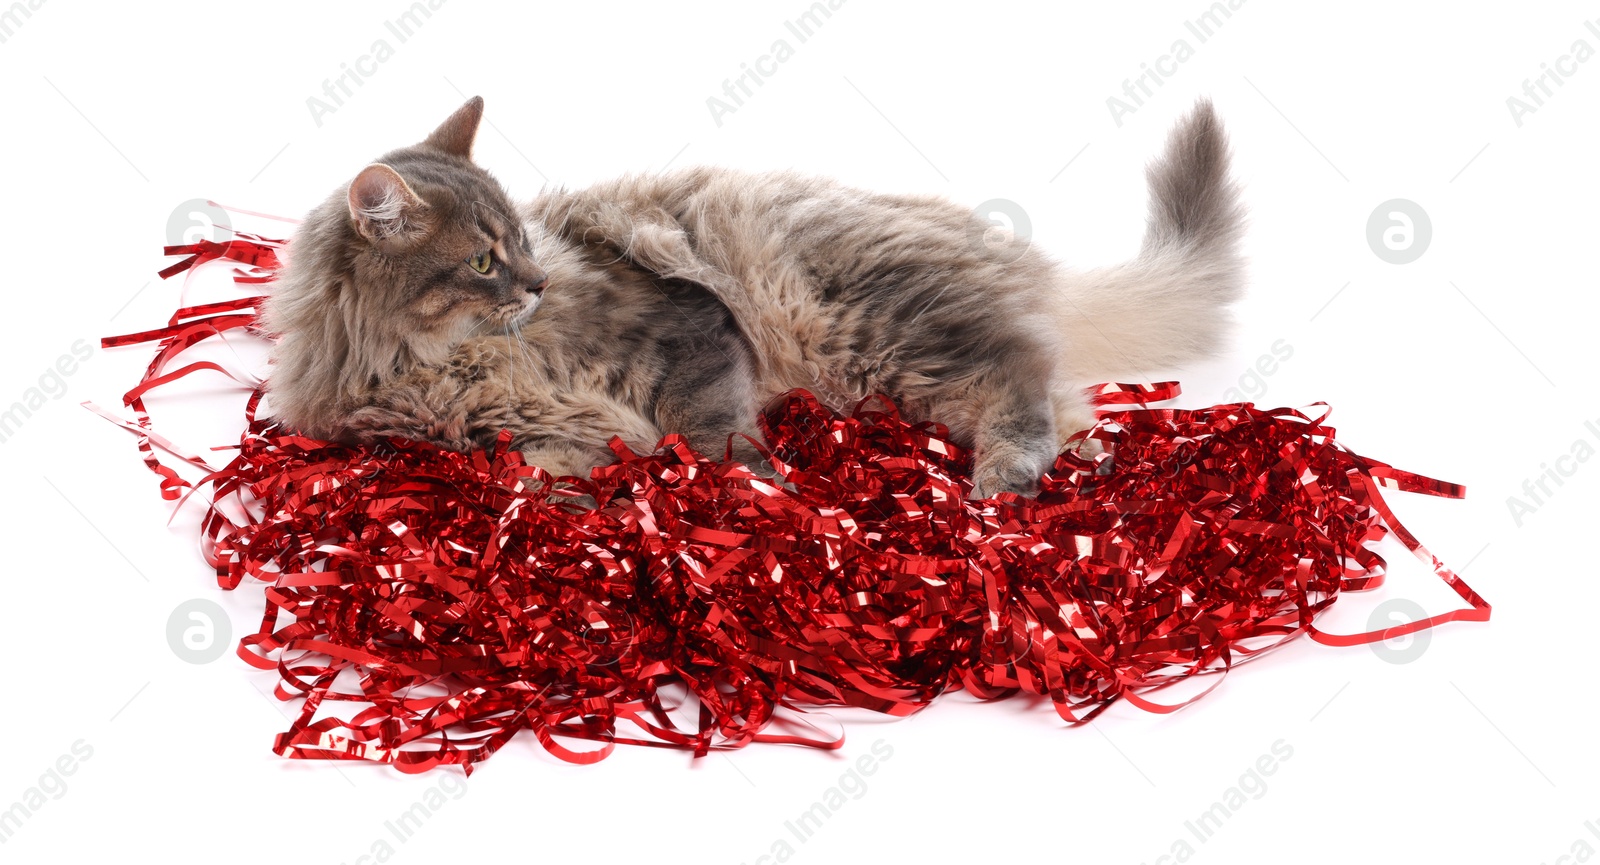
pixel 481 262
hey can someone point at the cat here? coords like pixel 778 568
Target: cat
pixel 420 301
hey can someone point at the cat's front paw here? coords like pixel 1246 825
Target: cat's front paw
pixel 1014 473
pixel 584 501
pixel 1086 448
pixel 559 460
pixel 746 453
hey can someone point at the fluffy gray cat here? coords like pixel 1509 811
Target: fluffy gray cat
pixel 419 301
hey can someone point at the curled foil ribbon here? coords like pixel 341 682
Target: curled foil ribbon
pixel 428 605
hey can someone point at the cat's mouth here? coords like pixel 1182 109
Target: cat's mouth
pixel 521 310
pixel 517 314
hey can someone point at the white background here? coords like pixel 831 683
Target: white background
pixel 1473 363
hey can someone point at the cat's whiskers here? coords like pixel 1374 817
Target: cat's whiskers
pixel 479 323
pixel 522 348
pixel 511 374
pixel 537 241
pixel 517 349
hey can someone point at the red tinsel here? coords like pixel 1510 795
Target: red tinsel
pixel 428 605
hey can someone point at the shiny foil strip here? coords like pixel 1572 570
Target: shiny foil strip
pixel 426 606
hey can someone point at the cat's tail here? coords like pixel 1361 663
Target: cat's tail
pixel 1166 306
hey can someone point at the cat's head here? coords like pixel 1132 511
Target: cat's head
pixel 419 250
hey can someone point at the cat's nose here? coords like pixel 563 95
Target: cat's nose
pixel 538 287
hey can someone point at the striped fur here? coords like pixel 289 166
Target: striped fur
pixel 682 302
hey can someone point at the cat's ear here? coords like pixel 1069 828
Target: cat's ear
pixel 455 135
pixel 384 208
